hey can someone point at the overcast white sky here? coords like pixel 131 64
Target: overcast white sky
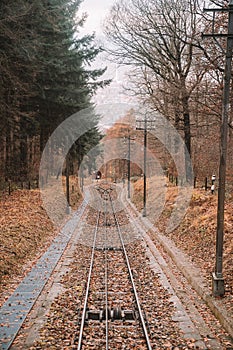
pixel 96 10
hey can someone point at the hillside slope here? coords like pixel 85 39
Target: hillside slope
pixel 196 234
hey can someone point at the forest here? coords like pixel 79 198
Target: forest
pixel 45 78
pixel 46 75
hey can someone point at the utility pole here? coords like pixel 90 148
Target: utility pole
pixel 218 280
pixel 67 184
pixel 145 173
pixel 81 178
pixel 142 125
pixel 68 208
pixel 129 150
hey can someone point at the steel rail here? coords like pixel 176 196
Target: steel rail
pixel 132 281
pixel 106 279
pixel 88 286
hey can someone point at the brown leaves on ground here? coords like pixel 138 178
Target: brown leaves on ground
pixel 26 231
pixel 196 234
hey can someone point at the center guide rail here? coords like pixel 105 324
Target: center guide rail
pixel 107 314
pixel 133 284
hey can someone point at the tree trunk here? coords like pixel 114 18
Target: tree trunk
pixel 23 158
pixel 187 132
pixel 8 153
pixel 186 115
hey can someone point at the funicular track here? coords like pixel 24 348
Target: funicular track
pixel 109 309
pixel 116 294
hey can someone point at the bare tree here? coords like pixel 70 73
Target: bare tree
pixel 161 36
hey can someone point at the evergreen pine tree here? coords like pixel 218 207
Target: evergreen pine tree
pixel 43 78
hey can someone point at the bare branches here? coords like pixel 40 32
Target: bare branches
pixel 177 73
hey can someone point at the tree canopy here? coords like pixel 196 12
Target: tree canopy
pixel 45 77
pixel 172 68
